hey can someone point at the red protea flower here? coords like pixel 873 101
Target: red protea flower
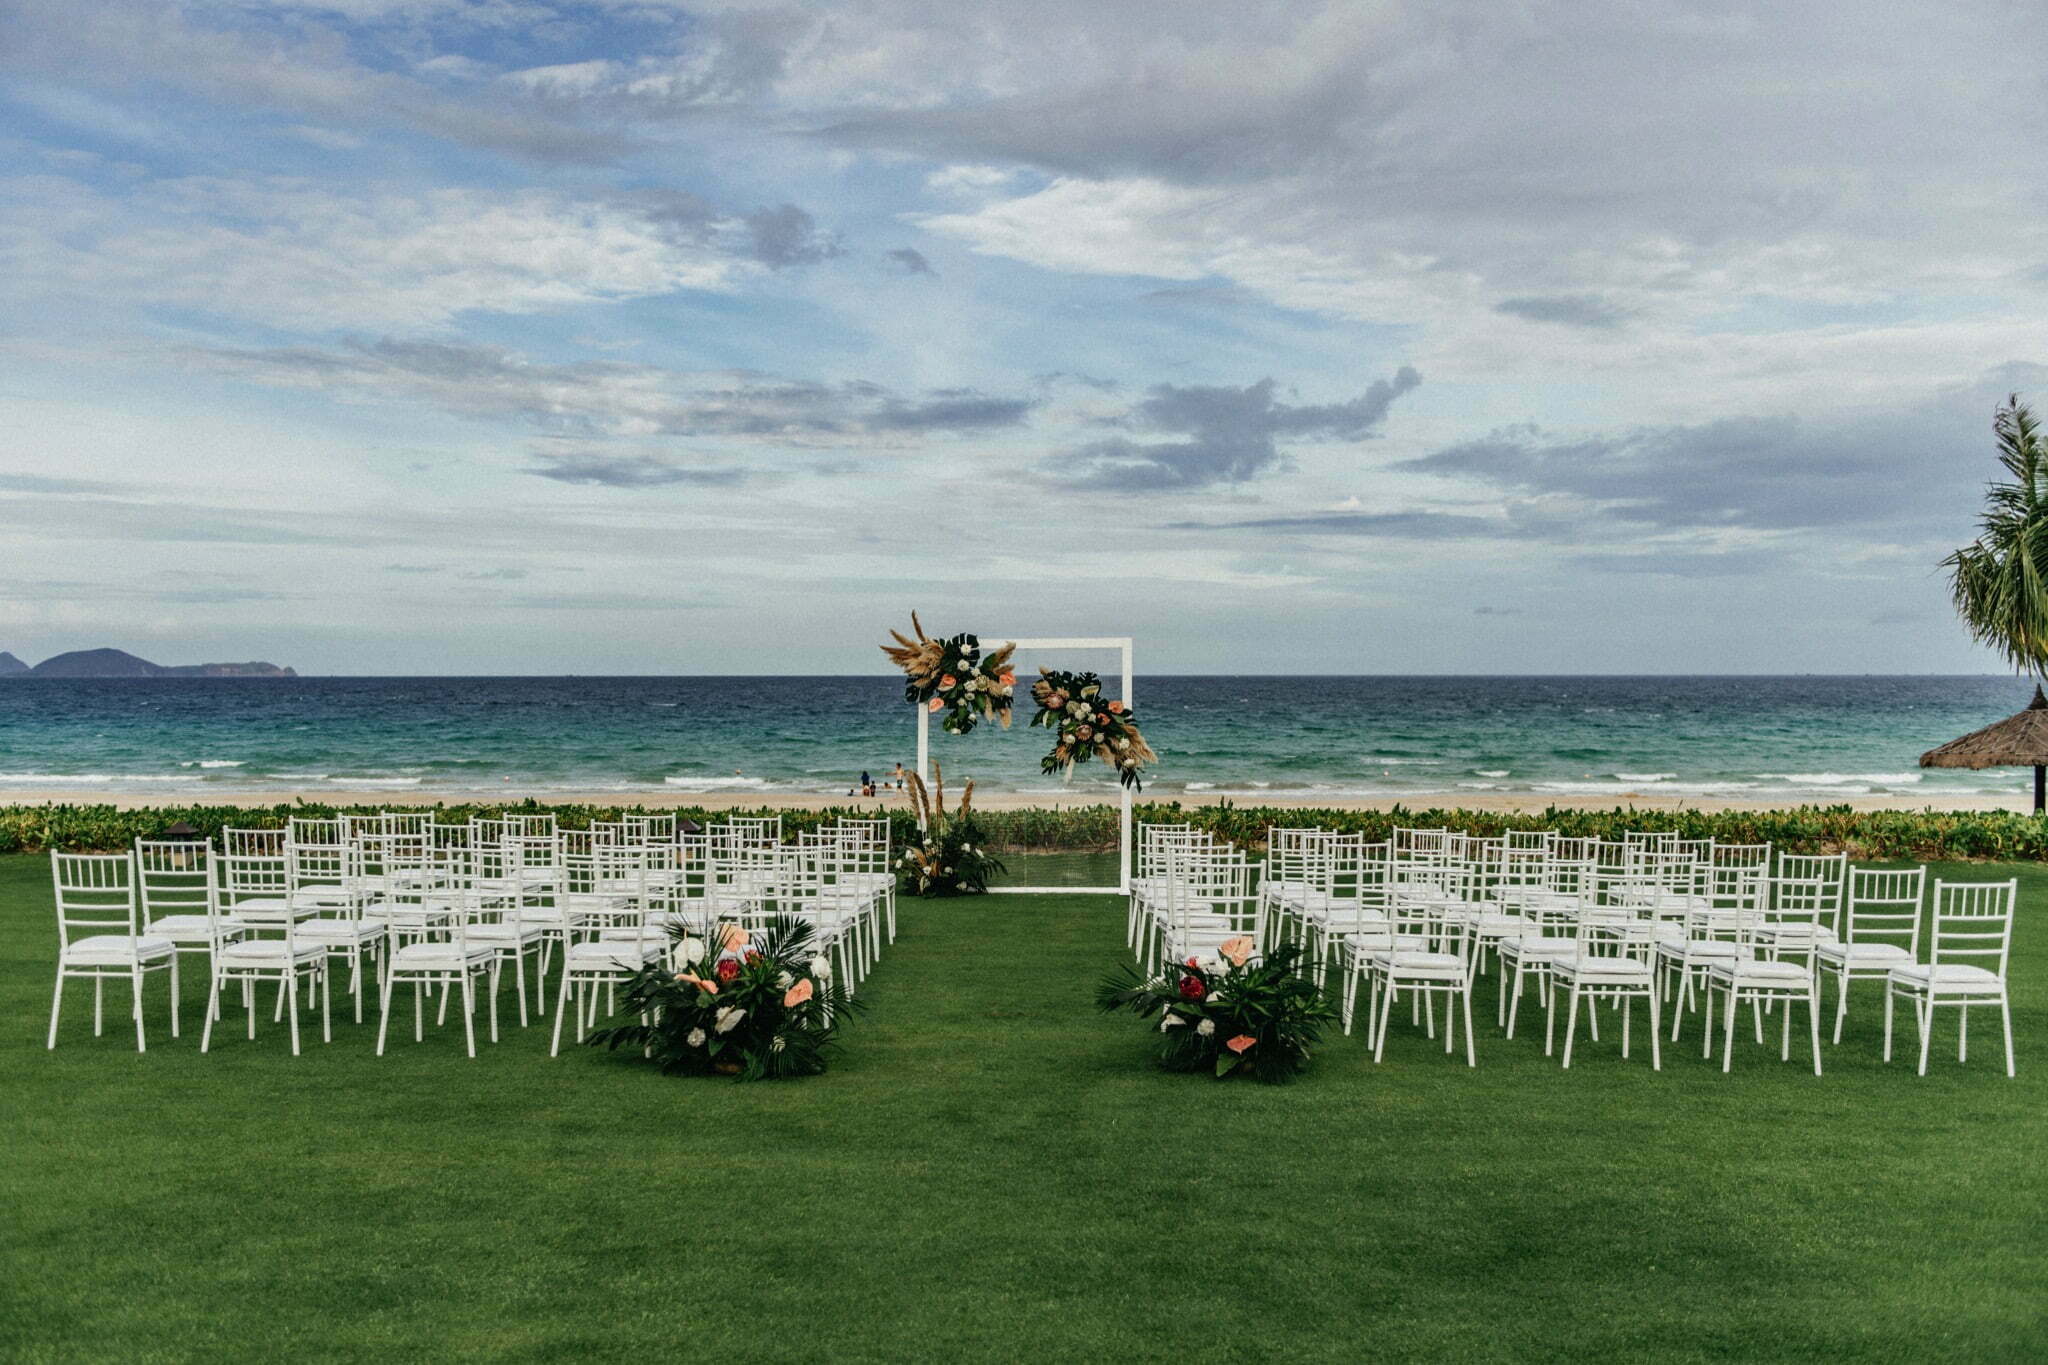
pixel 728 968
pixel 1191 988
pixel 753 956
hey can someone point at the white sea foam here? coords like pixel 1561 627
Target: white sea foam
pixel 1644 777
pixel 1201 786
pixel 1396 760
pixel 297 777
pixel 1842 779
pixel 1490 772
pixel 212 763
pixel 96 779
pixel 714 784
pixel 375 781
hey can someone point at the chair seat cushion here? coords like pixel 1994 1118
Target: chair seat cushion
pixel 118 950
pixel 1601 968
pixel 440 956
pixel 1949 976
pixel 341 931
pixel 1866 954
pixel 1419 962
pixel 1764 970
pixel 191 928
pixel 612 955
pixel 269 952
pixel 497 935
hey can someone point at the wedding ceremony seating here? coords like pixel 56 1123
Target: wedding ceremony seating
pixel 1577 926
pixel 447 908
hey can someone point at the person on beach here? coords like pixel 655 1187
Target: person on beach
pixel 900 777
pixel 867 784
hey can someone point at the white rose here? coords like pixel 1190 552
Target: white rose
pixel 692 948
pixel 821 967
pixel 696 1038
pixel 1206 1027
pixel 728 1019
pixel 784 981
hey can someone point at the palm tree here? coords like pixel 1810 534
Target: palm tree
pixel 2000 582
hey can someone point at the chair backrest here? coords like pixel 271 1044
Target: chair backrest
pixel 1829 870
pixel 1743 855
pixel 300 830
pixel 255 889
pixel 1973 924
pixel 1526 840
pixel 95 894
pixel 330 872
pixel 174 878
pixel 256 842
pixel 1884 906
pixel 1421 845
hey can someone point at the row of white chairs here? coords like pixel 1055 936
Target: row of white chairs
pixel 1679 924
pixel 445 908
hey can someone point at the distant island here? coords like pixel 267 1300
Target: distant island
pixel 119 663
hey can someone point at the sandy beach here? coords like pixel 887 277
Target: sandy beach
pixel 2017 800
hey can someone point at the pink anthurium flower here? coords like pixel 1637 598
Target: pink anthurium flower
pixel 797 994
pixel 1241 1043
pixel 1238 950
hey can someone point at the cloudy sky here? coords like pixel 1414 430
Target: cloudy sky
pixel 630 336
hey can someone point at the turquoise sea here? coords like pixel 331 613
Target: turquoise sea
pixel 1761 738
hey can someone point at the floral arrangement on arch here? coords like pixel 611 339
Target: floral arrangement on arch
pixel 950 857
pixel 1227 1014
pixel 1071 706
pixel 754 1006
pixel 954 676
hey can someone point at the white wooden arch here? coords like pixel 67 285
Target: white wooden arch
pixel 1120 643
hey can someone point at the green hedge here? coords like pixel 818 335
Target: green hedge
pixel 2002 836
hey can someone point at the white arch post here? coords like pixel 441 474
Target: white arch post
pixel 1120 643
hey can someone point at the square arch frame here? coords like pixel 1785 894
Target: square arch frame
pixel 1119 643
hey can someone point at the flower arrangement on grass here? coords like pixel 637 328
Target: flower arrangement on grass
pixel 1229 1014
pixel 950 857
pixel 755 1006
pixel 1071 706
pixel 954 677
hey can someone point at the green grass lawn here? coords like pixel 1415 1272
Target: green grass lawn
pixel 995 1171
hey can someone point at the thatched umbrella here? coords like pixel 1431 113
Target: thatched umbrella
pixel 2015 742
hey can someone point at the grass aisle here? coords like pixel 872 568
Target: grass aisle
pixel 995 1171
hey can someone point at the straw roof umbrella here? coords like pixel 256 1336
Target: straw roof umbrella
pixel 2015 742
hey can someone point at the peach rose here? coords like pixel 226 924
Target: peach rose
pixel 1116 708
pixel 1241 1043
pixel 937 705
pixel 948 682
pixel 797 994
pixel 1008 680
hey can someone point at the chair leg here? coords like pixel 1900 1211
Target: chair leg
pixel 1813 1020
pixel 213 986
pixel 1386 1010
pixel 518 983
pixel 1963 1032
pixel 1571 1024
pixel 174 995
pixel 1707 1019
pixel 496 969
pixel 141 1043
pixel 1656 1060
pixel 290 987
pixel 98 1005
pixel 2005 1014
pixel 56 1007
pixel 1785 1044
pixel 326 1000
pixel 1728 1034
pixel 1628 1011
pixel 1841 1003
pixel 468 1011
pixel 1471 1057
pixel 1925 1007
pixel 1888 994
pixel 561 1008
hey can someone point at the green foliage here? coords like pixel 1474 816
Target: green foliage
pixel 2004 836
pixel 950 859
pixel 756 1008
pixel 1225 1015
pixel 2000 581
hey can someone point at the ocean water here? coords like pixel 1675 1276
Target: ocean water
pixel 1776 738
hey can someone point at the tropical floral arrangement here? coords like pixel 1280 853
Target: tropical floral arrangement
pixel 1071 706
pixel 954 676
pixel 1228 1014
pixel 948 856
pixel 753 1006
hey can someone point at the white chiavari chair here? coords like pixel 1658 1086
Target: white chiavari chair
pixel 255 894
pixel 1970 943
pixel 452 961
pixel 1881 930
pixel 99 936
